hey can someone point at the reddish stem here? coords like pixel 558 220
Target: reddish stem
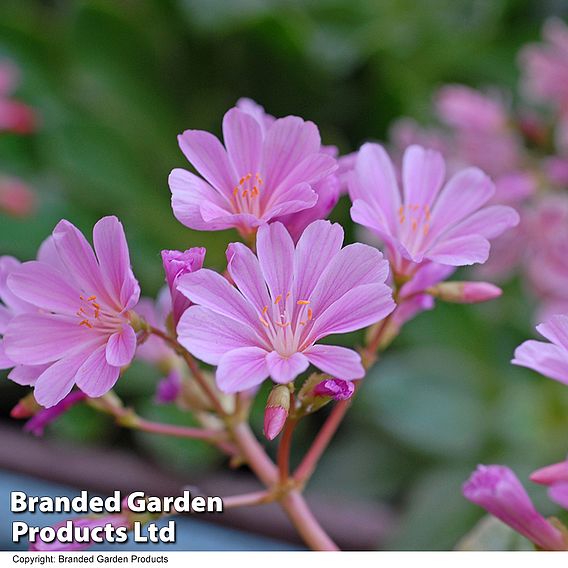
pixel 284 451
pixel 193 367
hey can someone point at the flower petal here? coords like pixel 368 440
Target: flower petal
pixel 464 194
pixel 290 199
pixel 311 169
pixel 209 158
pixel 188 194
pixel 460 251
pixel 114 261
pixel 96 377
pixel 286 369
pixel 241 369
pixel 318 245
pixel 545 358
pixel 55 383
pixel 288 141
pixel 489 222
pixel 354 265
pixel 555 329
pixel 244 268
pixel 357 308
pixel 44 287
pixel 339 362
pixel 5 361
pixel 208 335
pixel 78 257
pixel 26 375
pixel 423 173
pixel 375 183
pixel 211 290
pixel 243 139
pixel 121 347
pixel 559 494
pixel 275 251
pixel 33 339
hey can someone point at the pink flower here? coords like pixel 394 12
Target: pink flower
pixel 337 389
pixel 14 116
pixel 286 299
pixel 266 169
pixel 81 329
pixel 465 108
pixel 428 223
pixel 549 359
pixel 546 249
pixel 176 264
pixel 556 478
pixel 327 189
pixel 80 531
pixel 545 66
pixel 16 198
pixel 45 416
pixel 497 489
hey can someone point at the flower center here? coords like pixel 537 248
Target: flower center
pixel 246 194
pixel 414 217
pixel 92 316
pixel 284 322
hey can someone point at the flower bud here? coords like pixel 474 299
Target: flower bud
pixel 26 407
pixel 169 388
pixel 176 264
pixel 337 389
pixel 556 478
pixel 45 416
pixel 276 412
pixel 465 292
pixel 498 490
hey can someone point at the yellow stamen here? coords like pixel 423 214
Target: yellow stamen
pixel 303 302
pixel 310 314
pixel 278 298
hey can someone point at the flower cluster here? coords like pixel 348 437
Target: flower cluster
pixel 72 320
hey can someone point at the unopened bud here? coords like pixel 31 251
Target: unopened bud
pixel 26 407
pixel 176 264
pixel 465 292
pixel 337 389
pixel 276 412
pixel 169 388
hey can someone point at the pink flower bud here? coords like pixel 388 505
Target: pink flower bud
pixel 276 412
pixel 26 407
pixel 16 198
pixel 176 264
pixel 337 389
pixel 497 489
pixel 45 416
pixel 274 420
pixel 465 292
pixel 556 478
pixel 169 388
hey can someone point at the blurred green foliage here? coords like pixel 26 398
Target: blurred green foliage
pixel 115 82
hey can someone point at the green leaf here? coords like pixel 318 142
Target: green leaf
pixel 491 534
